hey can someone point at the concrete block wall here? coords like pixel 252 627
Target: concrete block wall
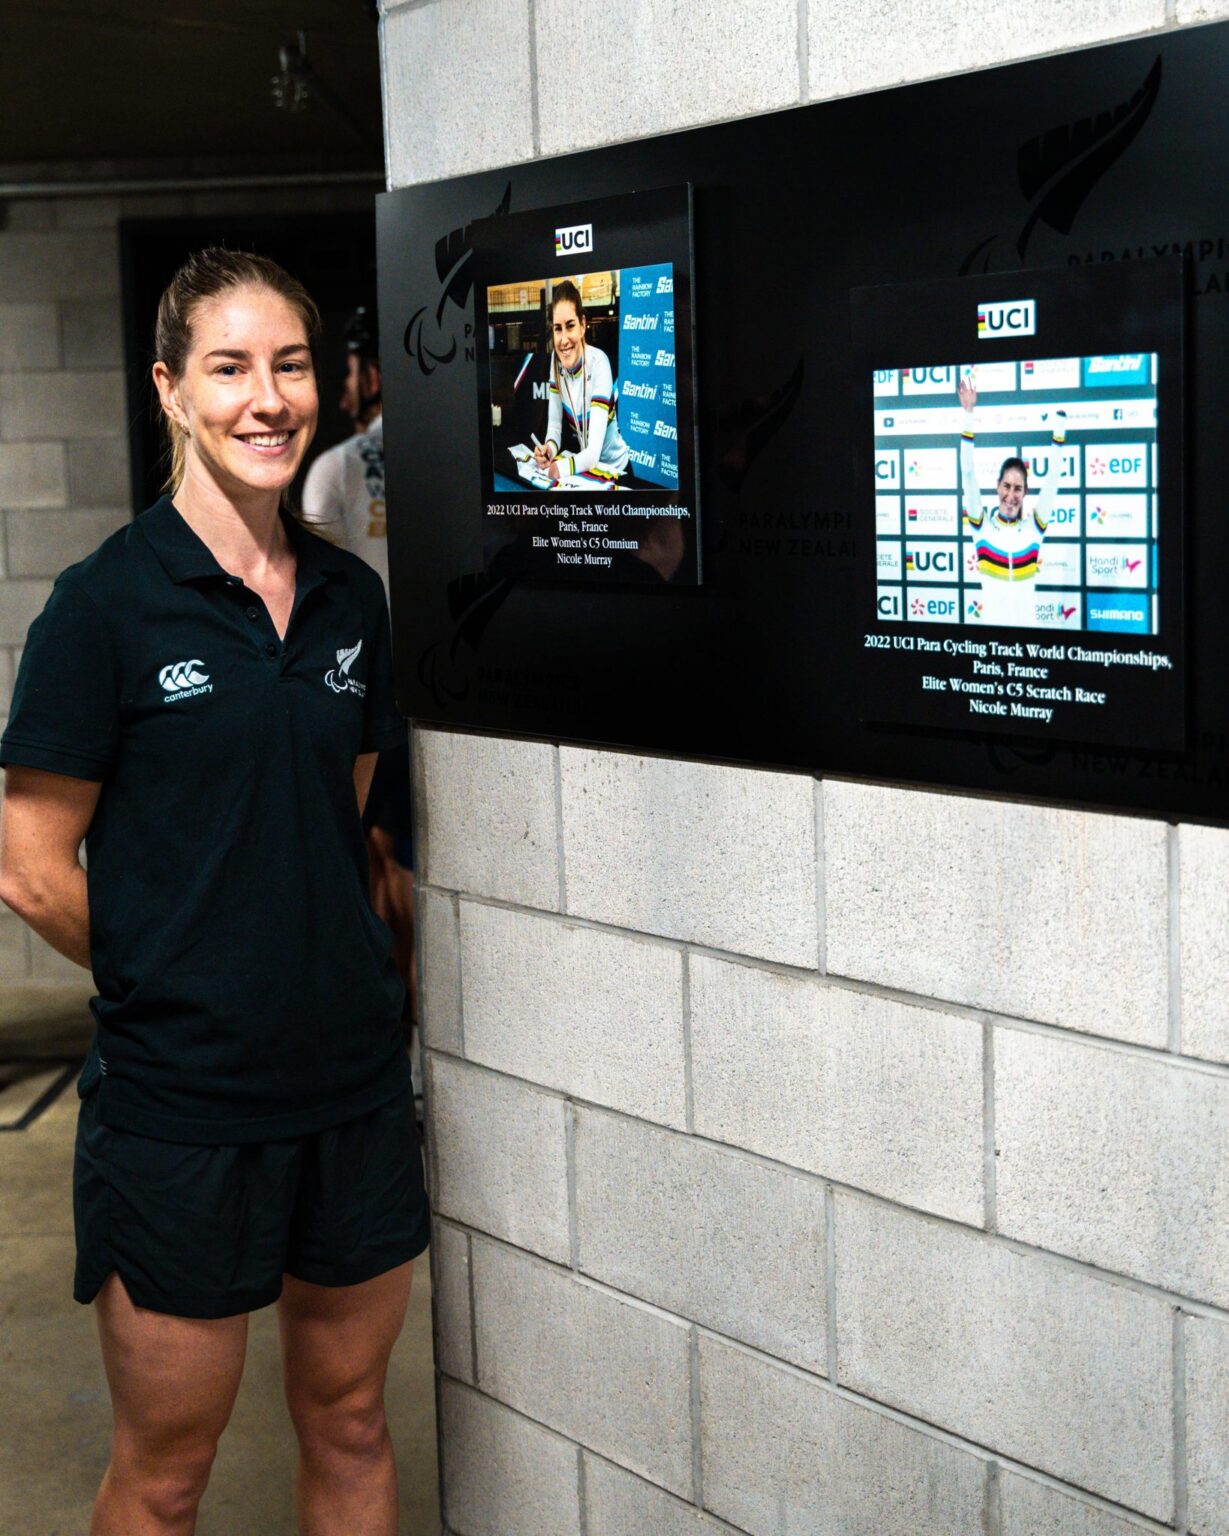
pixel 64 482
pixel 790 1181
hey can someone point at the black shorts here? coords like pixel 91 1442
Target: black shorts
pixel 209 1231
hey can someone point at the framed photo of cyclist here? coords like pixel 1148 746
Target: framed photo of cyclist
pixel 1022 494
pixel 586 402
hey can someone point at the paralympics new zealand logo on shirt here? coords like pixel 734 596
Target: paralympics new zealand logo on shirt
pixel 338 678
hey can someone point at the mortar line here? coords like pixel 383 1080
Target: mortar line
pixel 1181 1480
pixel 947 1006
pixel 804 51
pixel 994 1500
pixel 535 118
pixel 1194 1306
pixel 458 984
pixel 559 845
pixel 1173 861
pixel 473 1307
pixel 830 1282
pixel 990 1191
pixel 821 885
pixel 569 1124
pixel 689 1093
pixel 697 1441
pixel 582 1489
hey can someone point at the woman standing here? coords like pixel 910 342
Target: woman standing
pixel 582 411
pixel 202 701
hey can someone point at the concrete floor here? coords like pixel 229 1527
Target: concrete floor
pixel 54 1415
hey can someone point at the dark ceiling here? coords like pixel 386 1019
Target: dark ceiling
pixel 159 80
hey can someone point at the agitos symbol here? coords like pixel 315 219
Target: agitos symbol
pixel 453 255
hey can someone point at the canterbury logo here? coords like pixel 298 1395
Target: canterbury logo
pixel 184 679
pixel 339 679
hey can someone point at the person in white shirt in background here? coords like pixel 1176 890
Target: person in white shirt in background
pixel 343 498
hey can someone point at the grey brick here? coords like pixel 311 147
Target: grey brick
pixel 29 337
pixel 1063 1371
pixel 36 407
pixel 77 264
pixel 454 1331
pixel 500 1156
pixel 439 976
pixel 608 1373
pixel 784 1455
pixel 597 1015
pixel 42 543
pixel 98 472
pixel 1047 914
pixel 32 475
pixel 1207 1424
pixel 619 1504
pixel 708 1234
pixel 853 48
pixel 866 1090
pixel 434 130
pixel 487 815
pixel 1030 1508
pixel 1203 861
pixel 669 66
pixel 93 333
pixel 1188 11
pixel 23 602
pixel 718 856
pixel 1116 1159
pixel 502 1475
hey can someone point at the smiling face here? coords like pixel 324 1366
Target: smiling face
pixel 567 333
pixel 1011 491
pixel 246 395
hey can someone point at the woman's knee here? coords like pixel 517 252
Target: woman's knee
pixel 351 1428
pixel 168 1474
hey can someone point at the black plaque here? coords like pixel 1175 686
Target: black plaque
pixel 1109 158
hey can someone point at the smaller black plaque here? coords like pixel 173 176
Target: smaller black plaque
pixel 586 397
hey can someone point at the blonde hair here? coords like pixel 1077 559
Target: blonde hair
pixel 205 275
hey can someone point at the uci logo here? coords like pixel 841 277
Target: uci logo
pixel 1012 317
pixel 573 239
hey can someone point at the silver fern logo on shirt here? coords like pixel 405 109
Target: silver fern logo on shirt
pixel 338 678
pixel 184 679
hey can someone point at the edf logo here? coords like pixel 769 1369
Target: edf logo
pixel 1012 317
pixel 575 238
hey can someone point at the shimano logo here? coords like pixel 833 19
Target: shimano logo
pixel 1012 317
pixel 573 238
pixel 338 678
pixel 184 679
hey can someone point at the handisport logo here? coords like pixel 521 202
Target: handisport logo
pixel 573 238
pixel 1010 317
pixel 184 679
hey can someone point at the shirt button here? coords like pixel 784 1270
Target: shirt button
pixel 270 648
pixel 253 613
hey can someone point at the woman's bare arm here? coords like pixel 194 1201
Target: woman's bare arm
pixel 45 819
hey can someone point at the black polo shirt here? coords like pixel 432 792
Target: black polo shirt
pixel 246 989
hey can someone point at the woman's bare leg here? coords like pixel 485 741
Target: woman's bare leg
pixel 335 1348
pixel 173 1382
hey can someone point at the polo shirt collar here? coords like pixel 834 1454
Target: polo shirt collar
pixel 186 557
